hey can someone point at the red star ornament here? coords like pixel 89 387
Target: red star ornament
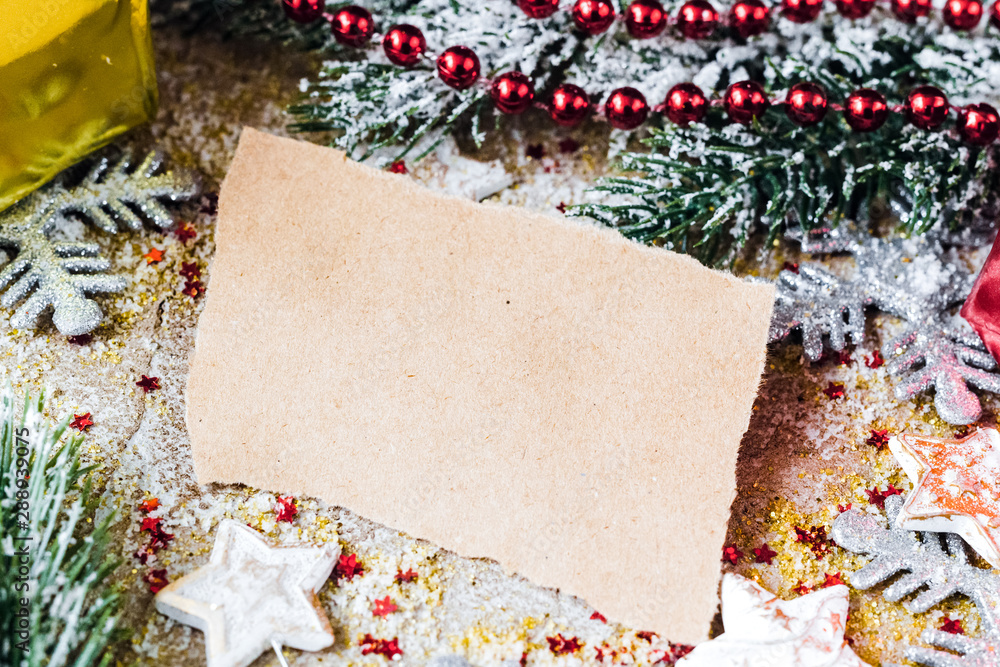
pixel 956 487
pixel 81 422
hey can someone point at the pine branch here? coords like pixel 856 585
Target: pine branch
pixel 64 274
pixel 71 612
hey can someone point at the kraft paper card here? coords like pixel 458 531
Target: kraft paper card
pixel 504 384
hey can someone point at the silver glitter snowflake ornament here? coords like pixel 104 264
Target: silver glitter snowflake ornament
pixel 947 358
pixel 943 570
pixel 819 304
pixel 44 272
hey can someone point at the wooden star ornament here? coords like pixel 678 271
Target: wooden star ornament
pixel 252 596
pixel 762 629
pixel 956 487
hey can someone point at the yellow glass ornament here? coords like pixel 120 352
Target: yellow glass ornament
pixel 73 75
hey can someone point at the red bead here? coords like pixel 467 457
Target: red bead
pixel 995 14
pixel 855 9
pixel 645 19
pixel 866 110
pixel 805 104
pixel 745 101
pixel 538 9
pixel 570 105
pixel 927 107
pixel 801 11
pixel 962 14
pixel 512 92
pixel 593 16
pixel 697 19
pixel 908 11
pixel 303 11
pixel 978 124
pixel 458 66
pixel 750 17
pixel 626 108
pixel 685 104
pixel 353 26
pixel 404 44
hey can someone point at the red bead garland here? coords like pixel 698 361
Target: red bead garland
pixel 750 17
pixel 805 104
pixel 908 11
pixel 512 92
pixel 697 19
pixel 927 107
pixel 570 105
pixel 458 66
pixel 978 124
pixel 404 45
pixel 626 108
pixel 538 9
pixel 855 9
pixel 303 11
pixel 593 16
pixel 352 25
pixel 962 14
pixel 645 19
pixel 685 104
pixel 801 11
pixel 745 101
pixel 866 110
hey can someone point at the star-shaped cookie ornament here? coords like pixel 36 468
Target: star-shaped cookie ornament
pixel 251 594
pixel 762 629
pixel 956 487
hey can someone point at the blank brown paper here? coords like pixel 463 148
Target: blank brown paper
pixel 501 383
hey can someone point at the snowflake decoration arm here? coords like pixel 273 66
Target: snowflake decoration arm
pixel 948 359
pixel 64 274
pixel 943 570
pixel 818 303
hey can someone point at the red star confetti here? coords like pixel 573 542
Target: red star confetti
pixel 286 509
pixel 147 554
pixel 186 232
pixel 348 567
pixel 149 505
pixel 645 634
pixel 154 256
pixel 560 645
pixel 764 554
pixel 387 648
pixel 149 384
pixel 157 580
pixel 833 580
pixel 151 525
pixel 952 625
pixel 878 439
pixel 877 497
pixel 398 167
pixel 569 145
pixel 678 651
pixel 731 553
pixel 561 207
pixel 843 508
pixel 815 538
pixel 81 422
pixel 876 361
pixel 790 266
pixel 82 339
pixel 834 390
pixel 803 588
pixel 406 577
pixel 193 288
pixel 598 616
pixel 190 270
pixel 844 358
pixel 384 607
pixel 535 151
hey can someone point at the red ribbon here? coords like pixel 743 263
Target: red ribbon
pixel 982 308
